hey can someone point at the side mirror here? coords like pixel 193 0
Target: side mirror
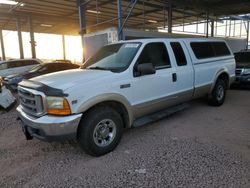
pixel 145 69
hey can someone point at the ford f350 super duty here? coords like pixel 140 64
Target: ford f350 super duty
pixel 120 84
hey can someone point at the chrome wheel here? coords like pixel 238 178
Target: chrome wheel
pixel 104 133
pixel 220 92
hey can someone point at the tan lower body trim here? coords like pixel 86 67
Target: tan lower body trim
pixel 146 108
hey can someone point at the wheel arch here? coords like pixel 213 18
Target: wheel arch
pixel 117 102
pixel 224 75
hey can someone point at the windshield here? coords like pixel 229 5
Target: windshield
pixel 242 57
pixel 114 57
pixel 36 68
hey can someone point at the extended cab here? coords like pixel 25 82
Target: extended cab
pixel 120 84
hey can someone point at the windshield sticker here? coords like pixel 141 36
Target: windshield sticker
pixel 131 45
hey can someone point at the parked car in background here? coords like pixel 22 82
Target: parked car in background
pixel 12 81
pixel 17 66
pixel 242 59
pixel 6 98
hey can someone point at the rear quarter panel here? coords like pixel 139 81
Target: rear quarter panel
pixel 208 70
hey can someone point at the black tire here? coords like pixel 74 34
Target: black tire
pixel 218 95
pixel 91 122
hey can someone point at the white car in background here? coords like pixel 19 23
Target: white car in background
pixel 17 66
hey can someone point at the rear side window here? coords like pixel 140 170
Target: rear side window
pixel 204 50
pixel 31 62
pixel 155 53
pixel 220 49
pixel 3 66
pixel 179 54
pixel 71 66
pixel 62 66
pixel 14 64
pixel 52 67
pixel 24 63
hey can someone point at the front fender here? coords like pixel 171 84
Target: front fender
pixel 83 107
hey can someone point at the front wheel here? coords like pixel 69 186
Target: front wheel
pixel 217 97
pixel 100 131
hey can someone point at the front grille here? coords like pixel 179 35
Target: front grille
pixel 238 71
pixel 31 104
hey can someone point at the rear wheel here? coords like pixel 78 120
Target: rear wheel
pixel 100 131
pixel 217 97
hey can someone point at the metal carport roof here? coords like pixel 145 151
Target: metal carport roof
pixel 61 16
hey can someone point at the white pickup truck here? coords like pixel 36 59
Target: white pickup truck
pixel 119 85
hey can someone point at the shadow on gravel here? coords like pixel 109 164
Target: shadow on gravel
pixel 237 87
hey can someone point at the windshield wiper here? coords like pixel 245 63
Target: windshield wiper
pixel 104 68
pixel 98 68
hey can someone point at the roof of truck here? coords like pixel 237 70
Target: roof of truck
pixel 161 39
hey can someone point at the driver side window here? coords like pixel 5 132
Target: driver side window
pixel 156 54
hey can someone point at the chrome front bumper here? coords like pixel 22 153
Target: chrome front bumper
pixel 50 128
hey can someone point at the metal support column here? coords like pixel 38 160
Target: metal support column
pixel 164 17
pixel 234 28
pixel 212 28
pixel 2 45
pixel 230 24
pixel 144 18
pixel 127 17
pixel 240 27
pixel 64 47
pixel 197 25
pixel 82 22
pixel 216 27
pixel 247 34
pixel 170 17
pixel 119 15
pixel 32 39
pixel 20 40
pixel 183 20
pixel 226 29
pixel 207 24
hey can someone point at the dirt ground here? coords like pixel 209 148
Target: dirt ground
pixel 202 146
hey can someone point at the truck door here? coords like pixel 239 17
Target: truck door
pixel 184 74
pixel 155 91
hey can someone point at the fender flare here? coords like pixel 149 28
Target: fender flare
pixel 217 75
pixel 107 97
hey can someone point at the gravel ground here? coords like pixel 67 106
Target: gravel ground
pixel 200 147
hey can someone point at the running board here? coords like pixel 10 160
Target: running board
pixel 159 115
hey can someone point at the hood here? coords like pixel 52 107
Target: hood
pixel 12 76
pixel 66 79
pixel 17 75
pixel 14 79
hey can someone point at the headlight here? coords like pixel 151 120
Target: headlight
pixel 58 106
pixel 246 71
pixel 1 82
